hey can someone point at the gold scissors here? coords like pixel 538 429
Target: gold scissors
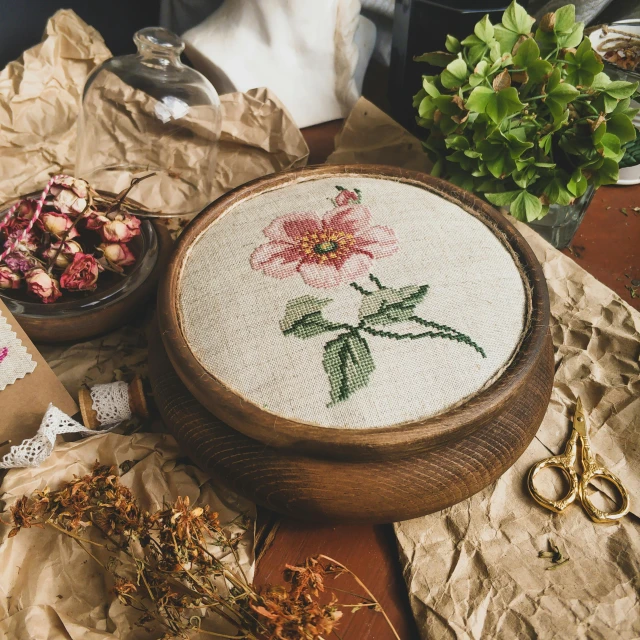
pixel 578 486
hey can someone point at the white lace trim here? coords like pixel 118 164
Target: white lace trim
pixel 111 402
pixel 34 451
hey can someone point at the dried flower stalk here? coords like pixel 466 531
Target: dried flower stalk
pixel 168 565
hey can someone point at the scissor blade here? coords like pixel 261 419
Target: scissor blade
pixel 580 420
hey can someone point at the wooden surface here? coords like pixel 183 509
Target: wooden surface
pixel 482 412
pixel 608 246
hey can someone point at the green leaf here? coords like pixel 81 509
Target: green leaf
pixel 476 53
pixel 573 38
pixel 303 317
pixel 502 104
pixel 600 82
pixel 611 146
pixel 429 87
pixel 557 193
pixel 619 89
pixel 607 173
pixel 598 133
pixel 503 199
pixel 621 126
pixel 559 94
pixel 565 19
pixel 505 37
pixel 348 363
pixel 391 305
pixel 516 19
pixel 526 207
pixel 436 58
pixel 471 41
pixel 455 74
pixel 528 52
pixel 479 74
pixel 538 70
pixel 452 44
pixel 484 30
pixel 427 108
pixel 577 184
pixel 583 65
pixel 479 99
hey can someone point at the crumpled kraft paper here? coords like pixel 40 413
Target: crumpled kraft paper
pixel 49 587
pixel 473 570
pixel 40 101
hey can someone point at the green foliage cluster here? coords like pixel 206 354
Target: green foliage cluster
pixel 524 118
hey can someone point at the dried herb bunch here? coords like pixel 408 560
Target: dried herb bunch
pixel 169 565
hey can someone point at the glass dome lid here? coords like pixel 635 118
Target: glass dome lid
pixel 148 113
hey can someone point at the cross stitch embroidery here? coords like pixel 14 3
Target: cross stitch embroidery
pixel 336 249
pixel 3 353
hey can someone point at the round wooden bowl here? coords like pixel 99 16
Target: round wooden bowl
pixel 506 412
pixel 49 325
pixel 358 490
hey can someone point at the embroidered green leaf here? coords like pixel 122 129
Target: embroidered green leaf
pixel 391 305
pixel 348 363
pixel 303 317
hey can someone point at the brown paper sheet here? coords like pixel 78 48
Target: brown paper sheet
pixel 50 588
pixel 24 403
pixel 40 99
pixel 473 570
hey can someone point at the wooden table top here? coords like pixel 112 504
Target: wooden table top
pixel 607 245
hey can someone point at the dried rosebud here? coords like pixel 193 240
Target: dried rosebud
pixel 117 255
pixel 62 252
pixel 346 197
pixel 43 285
pixel 19 262
pixel 9 279
pixel 58 225
pixel 95 221
pixel 70 195
pixel 122 228
pixel 81 274
pixel 26 209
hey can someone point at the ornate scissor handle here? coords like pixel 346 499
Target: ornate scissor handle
pixel 565 464
pixel 596 514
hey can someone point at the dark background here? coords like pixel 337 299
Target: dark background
pixel 22 22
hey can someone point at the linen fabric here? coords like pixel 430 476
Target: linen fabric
pixel 15 361
pixel 239 305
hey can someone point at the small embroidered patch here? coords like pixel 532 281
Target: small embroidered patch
pixel 15 361
pixel 340 248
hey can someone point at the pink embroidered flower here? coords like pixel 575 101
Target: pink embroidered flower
pixel 4 352
pixel 9 279
pixel 338 248
pixel 43 285
pixel 346 197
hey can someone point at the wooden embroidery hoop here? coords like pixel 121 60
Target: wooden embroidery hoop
pixel 529 363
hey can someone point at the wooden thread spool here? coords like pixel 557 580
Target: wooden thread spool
pixel 137 404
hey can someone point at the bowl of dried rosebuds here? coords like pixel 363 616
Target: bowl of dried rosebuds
pixel 75 262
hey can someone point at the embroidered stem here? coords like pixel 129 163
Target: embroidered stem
pixel 359 289
pixel 376 281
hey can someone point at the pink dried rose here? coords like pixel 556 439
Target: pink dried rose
pixel 17 261
pixel 62 252
pixel 338 248
pixel 9 279
pixel 81 274
pixel 58 225
pixel 29 243
pixel 346 197
pixel 95 221
pixel 117 255
pixel 122 228
pixel 43 285
pixel 70 195
pixel 26 209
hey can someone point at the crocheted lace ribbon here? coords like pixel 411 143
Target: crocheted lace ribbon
pixel 34 451
pixel 111 402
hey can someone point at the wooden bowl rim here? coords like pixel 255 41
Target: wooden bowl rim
pixel 403 438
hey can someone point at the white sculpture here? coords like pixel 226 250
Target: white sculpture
pixel 312 54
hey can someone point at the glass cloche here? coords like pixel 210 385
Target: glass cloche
pixel 148 113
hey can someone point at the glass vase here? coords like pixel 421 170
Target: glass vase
pixel 145 114
pixel 562 221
